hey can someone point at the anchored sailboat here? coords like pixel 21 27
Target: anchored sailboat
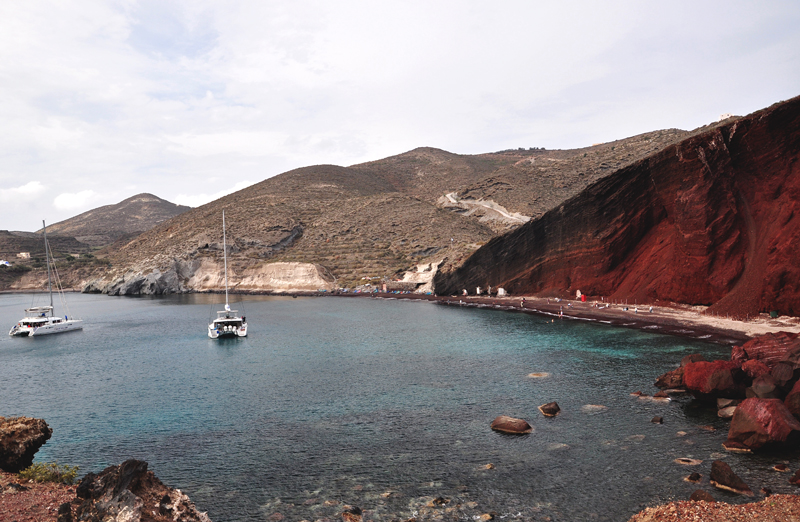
pixel 40 320
pixel 227 323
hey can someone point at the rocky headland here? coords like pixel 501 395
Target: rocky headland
pixel 124 493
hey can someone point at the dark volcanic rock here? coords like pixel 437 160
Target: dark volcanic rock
pixel 511 425
pixel 757 422
pixel 714 219
pixel 723 477
pixel 550 409
pixel 20 439
pixel 131 493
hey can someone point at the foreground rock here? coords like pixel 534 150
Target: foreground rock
pixel 506 424
pixel 551 409
pixel 20 439
pixel 758 422
pixel 773 509
pixel 129 493
pixel 709 380
pixel 723 477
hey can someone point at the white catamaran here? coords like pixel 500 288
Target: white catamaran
pixel 227 323
pixel 40 320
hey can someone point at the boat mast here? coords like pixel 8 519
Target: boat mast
pixel 225 256
pixel 47 260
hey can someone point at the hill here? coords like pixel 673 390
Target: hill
pixel 711 220
pixel 106 224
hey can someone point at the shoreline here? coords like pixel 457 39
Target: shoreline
pixel 672 319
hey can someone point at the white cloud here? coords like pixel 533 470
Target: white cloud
pixel 28 191
pixel 148 96
pixel 78 200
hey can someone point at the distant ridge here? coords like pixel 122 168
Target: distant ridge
pixel 104 225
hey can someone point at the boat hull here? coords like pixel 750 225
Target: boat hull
pixel 62 327
pixel 216 333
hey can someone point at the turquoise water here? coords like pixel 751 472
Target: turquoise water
pixel 383 404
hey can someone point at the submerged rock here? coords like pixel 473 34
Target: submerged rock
pixel 701 495
pixel 20 439
pixel 550 409
pixel 723 477
pixel 512 425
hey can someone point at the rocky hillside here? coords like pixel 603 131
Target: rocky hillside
pixel 104 225
pixel 713 219
pixel 372 220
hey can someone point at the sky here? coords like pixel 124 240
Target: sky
pixel 192 100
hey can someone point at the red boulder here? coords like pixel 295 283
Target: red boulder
pixel 770 348
pixel 792 400
pixel 754 368
pixel 712 379
pixel 757 422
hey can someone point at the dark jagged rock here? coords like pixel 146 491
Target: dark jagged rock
pixel 511 425
pixel 65 513
pixel 712 219
pixel 131 493
pixel 352 514
pixel 550 409
pixel 723 477
pixel 757 422
pixel 20 439
pixel 657 420
pixel 701 495
pixel 694 477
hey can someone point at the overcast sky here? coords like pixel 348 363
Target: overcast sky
pixel 192 100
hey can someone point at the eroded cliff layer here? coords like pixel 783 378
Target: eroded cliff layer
pixel 712 220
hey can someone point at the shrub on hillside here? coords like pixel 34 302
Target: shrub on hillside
pixel 50 472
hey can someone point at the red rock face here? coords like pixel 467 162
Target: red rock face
pixel 712 379
pixel 757 422
pixel 770 349
pixel 712 220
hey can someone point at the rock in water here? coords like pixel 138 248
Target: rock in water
pixel 511 425
pixel 671 379
pixel 20 439
pixel 757 422
pixel 703 495
pixel 351 514
pixel 550 409
pixel 130 493
pixel 723 477
pixel 712 379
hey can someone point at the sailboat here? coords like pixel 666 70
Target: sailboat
pixel 227 323
pixel 41 320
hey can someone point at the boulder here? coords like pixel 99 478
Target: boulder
pixel 130 493
pixel 770 349
pixel 755 368
pixel 550 409
pixel 506 424
pixel 20 439
pixel 792 400
pixel 764 387
pixel 694 478
pixel 701 495
pixel 757 422
pixel 783 373
pixel 713 379
pixel 723 477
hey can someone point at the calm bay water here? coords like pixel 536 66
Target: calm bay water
pixel 350 399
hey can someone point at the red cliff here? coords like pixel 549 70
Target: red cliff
pixel 712 220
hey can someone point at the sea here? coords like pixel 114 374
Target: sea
pixel 383 404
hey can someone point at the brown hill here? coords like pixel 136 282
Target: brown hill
pixel 714 220
pixel 106 224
